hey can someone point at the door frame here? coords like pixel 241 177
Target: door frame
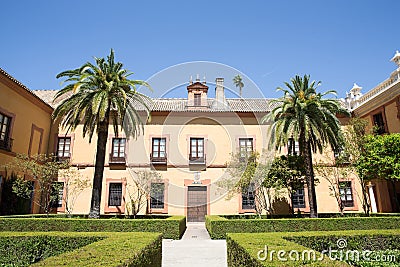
pixel 189 182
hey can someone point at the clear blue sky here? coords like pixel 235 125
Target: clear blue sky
pixel 338 42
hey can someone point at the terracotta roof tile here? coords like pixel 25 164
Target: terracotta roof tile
pixel 180 104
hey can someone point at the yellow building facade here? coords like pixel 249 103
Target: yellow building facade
pixel 188 143
pixel 380 106
pixel 25 123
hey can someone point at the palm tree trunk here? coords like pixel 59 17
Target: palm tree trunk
pixel 102 135
pixel 312 197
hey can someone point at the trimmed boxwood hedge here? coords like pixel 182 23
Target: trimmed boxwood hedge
pixel 172 227
pixel 243 248
pixel 25 250
pixel 218 226
pixel 122 249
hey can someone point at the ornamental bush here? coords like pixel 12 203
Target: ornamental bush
pixel 80 249
pixel 218 226
pixel 172 227
pixel 261 249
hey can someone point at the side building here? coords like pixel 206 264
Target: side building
pixel 380 106
pixel 25 124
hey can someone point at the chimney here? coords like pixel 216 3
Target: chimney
pixel 220 101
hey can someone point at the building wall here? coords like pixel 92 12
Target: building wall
pixel 221 132
pixel 387 102
pixel 30 122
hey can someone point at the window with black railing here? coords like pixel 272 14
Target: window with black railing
pixel 298 199
pixel 293 147
pixel 115 194
pixel 346 194
pixel 5 140
pixel 248 197
pixel 57 192
pixel 157 196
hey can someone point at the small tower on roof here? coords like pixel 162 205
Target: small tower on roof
pixel 352 98
pixel 396 58
pixel 197 94
pixel 355 92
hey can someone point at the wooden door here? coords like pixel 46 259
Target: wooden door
pixel 196 203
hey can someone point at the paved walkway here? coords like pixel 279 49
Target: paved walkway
pixel 194 249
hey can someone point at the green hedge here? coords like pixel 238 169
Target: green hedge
pixel 218 226
pixel 320 215
pixel 172 227
pixel 244 248
pixel 25 250
pixel 381 246
pixel 122 249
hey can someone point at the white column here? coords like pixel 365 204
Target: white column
pixel 372 198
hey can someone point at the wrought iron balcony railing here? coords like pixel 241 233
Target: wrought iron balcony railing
pixel 158 160
pixel 197 160
pixel 117 159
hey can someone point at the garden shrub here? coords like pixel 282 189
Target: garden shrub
pixel 243 248
pixel 218 226
pixel 25 250
pixel 358 242
pixel 109 249
pixel 172 227
pixel 381 246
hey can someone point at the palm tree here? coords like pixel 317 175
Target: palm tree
pixel 237 80
pixel 303 114
pixel 97 95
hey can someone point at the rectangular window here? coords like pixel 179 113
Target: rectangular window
pixel 57 193
pixel 5 141
pixel 245 147
pixel 64 147
pixel 293 147
pixel 115 194
pixel 157 196
pixel 379 123
pixel 197 99
pixel 118 147
pixel 248 197
pixel 346 193
pixel 158 148
pixel 298 200
pixel 196 148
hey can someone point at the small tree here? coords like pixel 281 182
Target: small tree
pixel 139 188
pixel 43 170
pixel 354 142
pixel 287 172
pixel 335 172
pixel 244 173
pixel 74 184
pixel 381 160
